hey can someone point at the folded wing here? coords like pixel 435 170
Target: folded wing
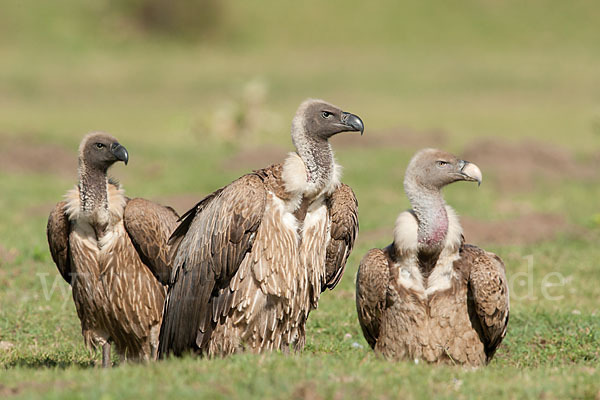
pixel 488 290
pixel 58 230
pixel 343 211
pixel 210 244
pixel 149 226
pixel 371 291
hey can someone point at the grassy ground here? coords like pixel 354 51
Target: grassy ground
pixel 483 78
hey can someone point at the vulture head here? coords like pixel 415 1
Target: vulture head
pixel 427 173
pixel 433 169
pixel 99 150
pixel 321 120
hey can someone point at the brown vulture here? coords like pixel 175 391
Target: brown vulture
pixel 112 251
pixel 429 295
pixel 252 258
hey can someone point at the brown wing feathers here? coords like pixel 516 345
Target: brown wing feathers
pixel 343 209
pixel 215 241
pixel 371 291
pixel 149 226
pixel 489 291
pixel 57 231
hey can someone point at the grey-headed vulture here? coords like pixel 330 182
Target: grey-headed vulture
pixel 428 295
pixel 112 251
pixel 252 258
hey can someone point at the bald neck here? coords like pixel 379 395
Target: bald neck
pixel 93 187
pixel 316 154
pixel 430 208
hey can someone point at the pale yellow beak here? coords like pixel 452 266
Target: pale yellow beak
pixel 472 172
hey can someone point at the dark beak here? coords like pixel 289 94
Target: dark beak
pixel 353 122
pixel 470 172
pixel 119 152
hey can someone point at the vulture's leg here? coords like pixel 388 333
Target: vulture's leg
pixel 154 334
pixel 106 355
pixel 153 352
pixel 300 340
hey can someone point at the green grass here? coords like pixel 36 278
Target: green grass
pixel 479 69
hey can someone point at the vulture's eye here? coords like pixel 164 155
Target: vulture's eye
pixel 99 145
pixel 442 164
pixel 326 114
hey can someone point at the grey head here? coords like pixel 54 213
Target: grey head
pixel 427 173
pixel 99 150
pixel 319 119
pixel 433 169
pixel 314 123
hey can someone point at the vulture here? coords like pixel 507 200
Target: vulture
pixel 113 251
pixel 430 296
pixel 252 258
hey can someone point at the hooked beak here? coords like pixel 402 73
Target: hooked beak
pixel 353 122
pixel 119 152
pixel 470 172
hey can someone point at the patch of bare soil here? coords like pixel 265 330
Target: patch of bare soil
pixel 7 256
pixel 5 346
pixel 391 138
pixel 255 158
pixel 27 155
pixel 40 387
pixel 525 229
pixel 517 166
pixel 7 391
pixel 306 391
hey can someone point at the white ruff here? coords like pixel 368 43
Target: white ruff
pixel 111 216
pixel 295 178
pixel 406 246
pixel 405 233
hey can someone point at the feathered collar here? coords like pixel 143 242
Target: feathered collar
pixel 406 232
pixel 295 178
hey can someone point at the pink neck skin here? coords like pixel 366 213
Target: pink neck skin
pixel 430 209
pixel 433 230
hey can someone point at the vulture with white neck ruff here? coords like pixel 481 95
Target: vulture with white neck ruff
pixel 112 251
pixel 252 258
pixel 428 295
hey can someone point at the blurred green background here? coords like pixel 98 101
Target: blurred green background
pixel 472 68
pixel 202 91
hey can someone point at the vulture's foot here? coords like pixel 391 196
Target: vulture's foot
pixel 106 355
